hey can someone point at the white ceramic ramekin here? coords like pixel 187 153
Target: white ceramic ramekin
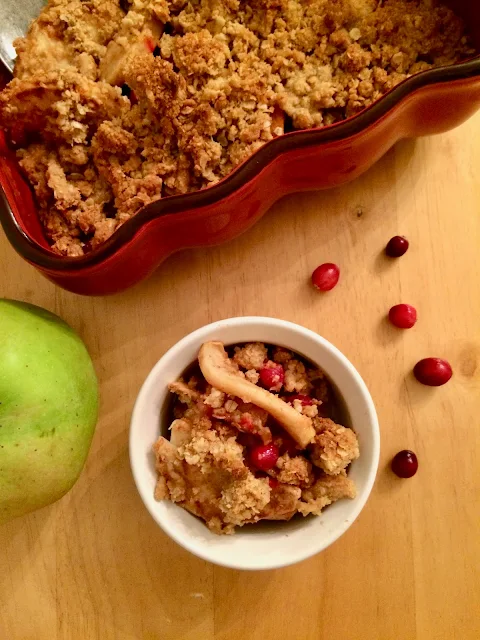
pixel 267 545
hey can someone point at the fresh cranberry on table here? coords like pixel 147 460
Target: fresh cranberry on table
pixel 396 246
pixel 264 457
pixel 272 376
pixel 433 371
pixel 403 316
pixel 326 276
pixel 405 464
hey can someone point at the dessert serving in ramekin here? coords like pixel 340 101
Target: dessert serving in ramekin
pixel 266 544
pixel 425 103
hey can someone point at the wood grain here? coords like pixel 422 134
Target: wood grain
pixel 94 566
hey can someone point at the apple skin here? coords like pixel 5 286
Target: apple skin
pixel 48 410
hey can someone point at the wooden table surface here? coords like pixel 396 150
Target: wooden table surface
pixel 95 566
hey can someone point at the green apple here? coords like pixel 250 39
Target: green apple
pixel 48 407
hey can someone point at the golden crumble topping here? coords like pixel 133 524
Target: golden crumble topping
pixel 251 356
pixel 327 489
pixel 117 103
pixel 232 463
pixel 297 471
pixel 296 378
pixel 334 449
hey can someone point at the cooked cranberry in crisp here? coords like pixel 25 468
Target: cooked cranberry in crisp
pixel 403 316
pixel 326 276
pixel 246 422
pixel 264 457
pixel 272 376
pixel 433 372
pixel 247 441
pixel 405 464
pixel 396 246
pixel 305 400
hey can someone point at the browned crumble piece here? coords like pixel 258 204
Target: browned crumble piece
pixel 295 471
pixel 309 410
pixel 252 376
pixel 251 356
pixel 327 489
pixel 281 355
pixel 296 378
pixel 284 501
pixel 185 393
pixel 320 424
pixel 244 500
pixel 334 448
pixel 215 398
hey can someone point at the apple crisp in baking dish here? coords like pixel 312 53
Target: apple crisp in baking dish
pixel 116 103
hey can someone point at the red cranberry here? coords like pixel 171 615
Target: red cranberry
pixel 305 400
pixel 396 246
pixel 433 371
pixel 264 457
pixel 272 376
pixel 403 316
pixel 405 464
pixel 273 482
pixel 326 276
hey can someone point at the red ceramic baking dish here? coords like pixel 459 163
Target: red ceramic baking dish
pixel 427 103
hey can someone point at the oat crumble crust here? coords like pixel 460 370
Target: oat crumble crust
pixel 206 467
pixel 205 84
